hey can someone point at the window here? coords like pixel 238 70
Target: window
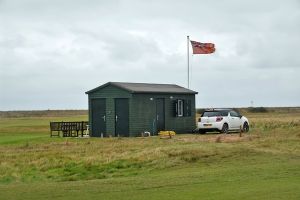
pixel 211 114
pixel 215 113
pixel 180 108
pixel 234 114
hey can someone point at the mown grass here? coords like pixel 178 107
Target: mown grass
pixel 263 164
pixel 16 130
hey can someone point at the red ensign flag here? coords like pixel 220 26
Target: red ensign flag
pixel 202 48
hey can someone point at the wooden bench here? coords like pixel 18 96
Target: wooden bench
pixel 68 129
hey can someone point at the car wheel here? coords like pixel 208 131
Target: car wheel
pixel 245 127
pixel 224 128
pixel 202 131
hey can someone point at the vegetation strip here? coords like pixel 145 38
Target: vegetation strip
pixel 264 161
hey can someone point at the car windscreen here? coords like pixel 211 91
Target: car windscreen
pixel 214 113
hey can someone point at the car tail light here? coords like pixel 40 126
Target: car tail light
pixel 219 119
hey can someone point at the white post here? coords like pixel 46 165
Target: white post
pixel 188 62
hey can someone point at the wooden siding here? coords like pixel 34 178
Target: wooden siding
pixel 143 113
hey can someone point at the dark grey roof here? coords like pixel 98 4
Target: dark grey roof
pixel 148 88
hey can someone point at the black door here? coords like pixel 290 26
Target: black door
pixel 98 117
pixel 122 117
pixel 160 115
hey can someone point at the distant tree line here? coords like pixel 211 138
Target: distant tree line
pixel 241 110
pixel 257 109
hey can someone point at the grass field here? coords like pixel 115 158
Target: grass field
pixel 263 164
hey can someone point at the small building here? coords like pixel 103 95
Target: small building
pixel 128 109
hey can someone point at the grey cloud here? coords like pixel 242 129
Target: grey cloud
pixel 51 52
pixel 130 48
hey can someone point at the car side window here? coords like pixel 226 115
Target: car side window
pixel 234 114
pixel 224 113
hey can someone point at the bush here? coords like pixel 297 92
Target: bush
pixel 200 110
pixel 257 110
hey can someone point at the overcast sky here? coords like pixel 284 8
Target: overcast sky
pixel 52 51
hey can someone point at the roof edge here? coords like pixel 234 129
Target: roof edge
pixel 106 84
pixel 116 84
pixel 192 92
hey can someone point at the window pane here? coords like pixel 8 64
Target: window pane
pixel 233 114
pixel 224 113
pixel 210 114
pixel 180 108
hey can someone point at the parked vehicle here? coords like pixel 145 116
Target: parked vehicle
pixel 222 120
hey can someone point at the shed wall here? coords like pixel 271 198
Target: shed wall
pixel 143 113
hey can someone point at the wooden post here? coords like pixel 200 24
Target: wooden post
pixel 241 130
pixel 82 129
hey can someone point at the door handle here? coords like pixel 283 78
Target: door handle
pixel 116 118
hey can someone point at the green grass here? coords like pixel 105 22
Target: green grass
pixel 26 129
pixel 263 164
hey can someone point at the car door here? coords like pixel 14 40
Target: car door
pixel 234 120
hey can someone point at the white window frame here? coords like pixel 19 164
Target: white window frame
pixel 179 108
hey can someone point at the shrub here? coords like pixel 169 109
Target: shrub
pixel 257 110
pixel 200 110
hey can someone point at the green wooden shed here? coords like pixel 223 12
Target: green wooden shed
pixel 128 109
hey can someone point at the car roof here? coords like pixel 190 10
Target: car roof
pixel 218 109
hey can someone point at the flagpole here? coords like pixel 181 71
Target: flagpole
pixel 188 62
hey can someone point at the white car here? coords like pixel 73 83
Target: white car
pixel 222 120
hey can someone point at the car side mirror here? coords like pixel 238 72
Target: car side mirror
pixel 240 116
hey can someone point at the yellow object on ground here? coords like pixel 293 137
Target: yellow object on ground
pixel 168 134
